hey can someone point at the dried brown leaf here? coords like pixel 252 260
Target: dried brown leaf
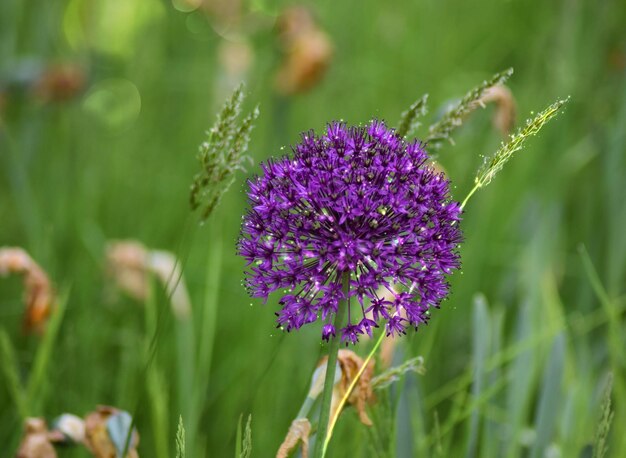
pixel 35 442
pixel 131 264
pixel 504 115
pixel 38 291
pixel 307 51
pixel 60 83
pixel 349 364
pixel 299 431
pixel 97 438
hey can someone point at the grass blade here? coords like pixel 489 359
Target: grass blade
pixel 550 397
pixel 35 391
pixel 11 375
pixel 481 344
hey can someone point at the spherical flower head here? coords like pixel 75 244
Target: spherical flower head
pixel 357 201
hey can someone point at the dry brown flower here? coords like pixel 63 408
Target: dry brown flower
pixel 349 364
pixel 35 442
pixel 362 393
pixel 97 438
pixel 38 291
pixel 299 431
pixel 131 264
pixel 226 12
pixel 60 82
pixel 68 429
pixel 307 51
pixel 235 58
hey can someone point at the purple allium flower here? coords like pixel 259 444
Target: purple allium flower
pixel 358 200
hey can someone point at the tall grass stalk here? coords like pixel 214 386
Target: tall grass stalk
pixel 206 323
pixel 156 384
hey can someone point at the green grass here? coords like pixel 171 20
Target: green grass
pixel 517 359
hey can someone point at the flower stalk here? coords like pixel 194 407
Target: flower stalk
pixel 345 397
pixel 331 368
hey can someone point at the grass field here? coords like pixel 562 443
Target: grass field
pixel 517 360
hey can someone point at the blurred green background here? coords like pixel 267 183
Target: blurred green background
pixel 105 148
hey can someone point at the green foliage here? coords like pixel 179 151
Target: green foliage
pixel 222 154
pixel 453 118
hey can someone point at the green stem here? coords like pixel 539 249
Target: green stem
pixel 306 407
pixel 343 400
pixel 331 365
pixel 471 193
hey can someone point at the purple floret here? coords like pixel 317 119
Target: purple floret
pixel 358 200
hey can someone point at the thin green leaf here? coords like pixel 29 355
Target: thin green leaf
pixel 38 375
pixel 238 437
pixel 481 345
pixel 11 375
pixel 550 397
pixel 246 441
